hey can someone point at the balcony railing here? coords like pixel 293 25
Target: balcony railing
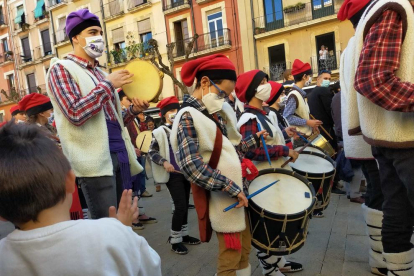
pixel 55 3
pixel 25 57
pixel 207 41
pixel 113 9
pixel 23 25
pixel 61 37
pixel 45 15
pixel 135 4
pixel 295 15
pixel 276 70
pixel 6 57
pixel 330 63
pixel 172 4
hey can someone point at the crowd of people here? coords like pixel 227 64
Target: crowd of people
pixel 82 139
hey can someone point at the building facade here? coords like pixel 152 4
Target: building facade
pixel 216 23
pixel 276 32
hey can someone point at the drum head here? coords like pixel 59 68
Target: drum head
pixel 311 148
pixel 143 141
pixel 289 196
pixel 146 82
pixel 312 163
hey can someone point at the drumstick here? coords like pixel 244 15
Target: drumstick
pixel 300 151
pixel 250 196
pixel 301 136
pixel 324 130
pixel 175 171
pixel 264 145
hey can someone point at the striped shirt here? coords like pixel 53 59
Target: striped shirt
pixel 191 162
pixel 77 108
pixel 290 110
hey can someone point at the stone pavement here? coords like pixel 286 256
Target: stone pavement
pixel 336 245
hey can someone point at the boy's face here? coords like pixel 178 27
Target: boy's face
pixel 151 125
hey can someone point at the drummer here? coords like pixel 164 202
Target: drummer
pixel 81 94
pixel 252 87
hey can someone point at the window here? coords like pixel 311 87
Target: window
pixel 40 11
pixel 26 54
pixel 277 62
pixel 10 81
pixel 20 18
pixel 145 34
pixel 61 31
pixel 2 21
pixel 215 27
pixel 118 54
pixel 181 36
pixel 321 8
pixel 5 45
pixel 31 83
pixel 47 45
pixel 273 14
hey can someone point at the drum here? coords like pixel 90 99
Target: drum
pixel 143 141
pixel 320 142
pixel 311 148
pixel 320 170
pixel 146 82
pixel 279 216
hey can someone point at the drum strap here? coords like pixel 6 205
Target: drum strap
pixel 263 120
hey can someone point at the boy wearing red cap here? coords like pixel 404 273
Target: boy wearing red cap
pixel 18 115
pixel 204 135
pixel 87 109
pixel 252 87
pixel 276 102
pixel 382 113
pixel 166 171
pixel 297 110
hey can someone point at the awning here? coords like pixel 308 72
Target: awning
pixel 38 12
pixel 19 16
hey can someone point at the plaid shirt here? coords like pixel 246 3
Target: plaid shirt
pixel 380 57
pixel 154 151
pixel 191 162
pixel 259 154
pixel 233 105
pixel 76 108
pixel 290 110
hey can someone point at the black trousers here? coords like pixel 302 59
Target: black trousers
pixel 374 197
pixel 179 189
pixel 397 183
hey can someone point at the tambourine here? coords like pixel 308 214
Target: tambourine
pixel 146 82
pixel 143 141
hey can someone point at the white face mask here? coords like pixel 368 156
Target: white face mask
pixel 263 92
pixel 212 102
pixel 20 122
pixel 172 117
pixel 94 46
pixel 309 81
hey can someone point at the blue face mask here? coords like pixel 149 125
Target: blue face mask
pixel 325 83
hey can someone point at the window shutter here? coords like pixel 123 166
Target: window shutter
pixel 144 26
pixel 118 35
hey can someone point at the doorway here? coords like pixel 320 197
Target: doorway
pixel 325 59
pixel 181 36
pixel 277 62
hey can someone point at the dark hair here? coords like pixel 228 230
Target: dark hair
pixel 324 71
pixel 287 73
pixel 149 119
pixel 299 77
pixel 33 172
pixel 198 84
pixel 33 119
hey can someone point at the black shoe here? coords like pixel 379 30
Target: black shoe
pixel 190 240
pixel 149 220
pixel 138 226
pixel 191 206
pixel 318 214
pixel 179 248
pixel 291 267
pixel 337 191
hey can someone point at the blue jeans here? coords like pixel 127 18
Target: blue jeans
pixel 397 183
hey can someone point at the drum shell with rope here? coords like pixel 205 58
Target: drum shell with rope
pixel 144 140
pixel 322 180
pixel 274 229
pixel 320 142
pixel 312 148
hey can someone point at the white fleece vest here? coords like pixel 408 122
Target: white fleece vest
pixel 229 165
pixel 161 176
pixel 354 146
pixel 380 127
pixel 277 139
pixel 85 146
pixel 303 111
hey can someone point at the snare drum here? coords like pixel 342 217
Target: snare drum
pixel 279 216
pixel 311 148
pixel 320 170
pixel 320 142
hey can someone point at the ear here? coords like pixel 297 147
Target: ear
pixel 205 82
pixel 70 182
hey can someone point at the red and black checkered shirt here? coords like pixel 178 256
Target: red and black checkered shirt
pixel 380 57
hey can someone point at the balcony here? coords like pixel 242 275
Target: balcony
pixel 44 18
pixel 113 10
pixel 6 58
pixel 137 5
pixel 3 22
pixel 120 57
pixel 25 58
pixel 173 6
pixel 276 70
pixel 22 25
pixel 61 38
pixel 206 43
pixel 56 4
pixel 43 52
pixel 296 16
pixel 330 63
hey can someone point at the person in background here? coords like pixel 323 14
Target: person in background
pixel 288 79
pixel 323 56
pixel 46 242
pixel 18 115
pixel 142 122
pixel 150 123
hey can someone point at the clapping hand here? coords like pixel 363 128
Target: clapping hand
pixel 128 209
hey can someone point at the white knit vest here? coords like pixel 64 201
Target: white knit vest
pixel 354 146
pixel 85 146
pixel 229 166
pixel 161 176
pixel 380 127
pixel 302 110
pixel 277 139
